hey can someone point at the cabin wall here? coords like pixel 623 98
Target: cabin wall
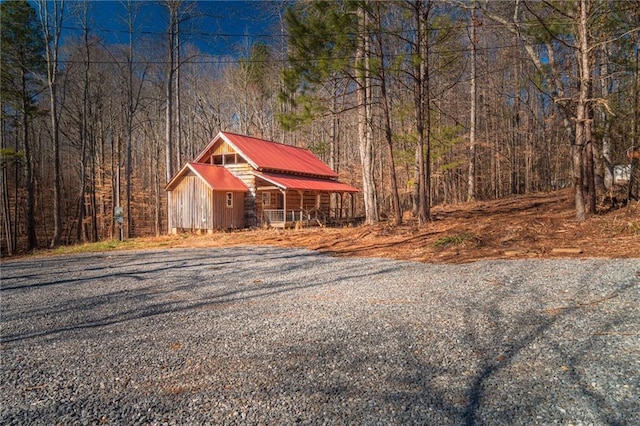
pixel 309 201
pixel 243 171
pixel 325 202
pixel 272 204
pixel 194 206
pixel 228 217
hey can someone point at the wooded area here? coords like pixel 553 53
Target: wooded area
pixel 418 103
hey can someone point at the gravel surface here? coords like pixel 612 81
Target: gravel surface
pixel 256 335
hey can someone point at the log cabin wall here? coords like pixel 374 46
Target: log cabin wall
pixel 325 202
pixel 309 200
pixel 265 200
pixel 243 171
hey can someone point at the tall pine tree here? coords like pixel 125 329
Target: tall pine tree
pixel 22 49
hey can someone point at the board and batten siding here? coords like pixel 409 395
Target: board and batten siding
pixel 194 206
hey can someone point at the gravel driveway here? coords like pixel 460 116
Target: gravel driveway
pixel 255 335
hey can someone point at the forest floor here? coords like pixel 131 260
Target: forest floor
pixel 527 226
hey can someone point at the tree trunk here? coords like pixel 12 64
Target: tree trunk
pixel 633 164
pixel 81 234
pixel 28 168
pixel 421 191
pixel 179 147
pixel 364 124
pixel 471 184
pixel 51 24
pixel 582 113
pixel 395 199
pixel 333 142
pixel 605 165
pixel 425 209
pixel 6 204
pixel 173 9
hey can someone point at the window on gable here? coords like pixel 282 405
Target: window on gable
pixel 230 159
pixel 229 200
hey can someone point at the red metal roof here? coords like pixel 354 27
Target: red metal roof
pixel 305 183
pixel 266 155
pixel 216 177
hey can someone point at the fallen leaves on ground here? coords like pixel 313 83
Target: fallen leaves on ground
pixel 527 226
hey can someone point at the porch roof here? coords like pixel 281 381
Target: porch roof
pixel 217 178
pixel 305 183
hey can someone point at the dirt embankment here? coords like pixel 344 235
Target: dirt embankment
pixel 536 226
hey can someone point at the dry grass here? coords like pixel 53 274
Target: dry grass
pixel 531 226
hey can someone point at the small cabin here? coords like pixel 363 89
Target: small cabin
pixel 621 174
pixel 206 197
pixel 240 181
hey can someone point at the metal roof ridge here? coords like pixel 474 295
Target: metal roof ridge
pixel 272 142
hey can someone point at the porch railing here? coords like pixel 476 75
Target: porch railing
pixel 276 217
pixel 279 215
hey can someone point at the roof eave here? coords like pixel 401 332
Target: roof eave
pixel 202 178
pixel 173 182
pixel 207 148
pixel 271 181
pixel 285 188
pixel 295 173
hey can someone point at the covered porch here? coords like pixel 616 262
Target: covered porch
pixel 284 201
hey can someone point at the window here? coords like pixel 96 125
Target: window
pixel 229 199
pixel 266 198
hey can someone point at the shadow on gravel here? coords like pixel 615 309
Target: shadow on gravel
pixel 165 265
pixel 516 335
pixel 381 357
pixel 201 283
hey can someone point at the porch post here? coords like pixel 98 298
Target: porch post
pixel 301 193
pixel 284 205
pixel 352 207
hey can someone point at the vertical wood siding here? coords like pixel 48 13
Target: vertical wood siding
pixel 222 148
pixel 195 206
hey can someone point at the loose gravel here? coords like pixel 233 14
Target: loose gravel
pixel 263 336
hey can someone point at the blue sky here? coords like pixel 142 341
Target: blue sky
pixel 219 27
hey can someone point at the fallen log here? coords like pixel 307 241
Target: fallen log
pixel 566 250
